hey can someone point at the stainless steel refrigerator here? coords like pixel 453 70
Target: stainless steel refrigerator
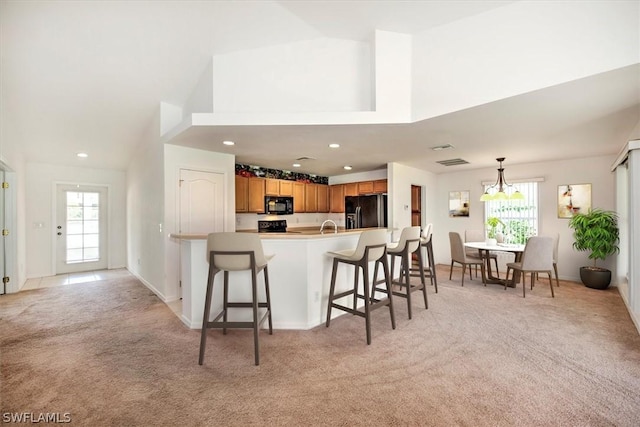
pixel 365 211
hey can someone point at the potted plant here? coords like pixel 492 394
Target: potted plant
pixel 597 232
pixel 492 223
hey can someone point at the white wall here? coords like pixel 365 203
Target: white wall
pixel 176 158
pixel 308 76
pixel 400 180
pixel 593 170
pixel 41 180
pixel 145 211
pixel 499 54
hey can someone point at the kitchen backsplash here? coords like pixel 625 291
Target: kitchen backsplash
pixel 259 171
pixel 249 221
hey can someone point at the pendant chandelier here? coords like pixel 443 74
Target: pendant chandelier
pixel 496 191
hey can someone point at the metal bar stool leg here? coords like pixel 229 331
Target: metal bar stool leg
pixel 387 280
pixel 332 290
pixel 265 272
pixel 205 317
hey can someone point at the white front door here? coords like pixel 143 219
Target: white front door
pixel 81 229
pixel 201 202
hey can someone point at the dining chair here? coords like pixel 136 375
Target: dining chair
pixel 556 242
pixel 459 255
pixel 478 236
pixel 536 258
pixel 231 252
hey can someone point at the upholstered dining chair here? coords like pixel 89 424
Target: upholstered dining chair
pixel 229 252
pixel 459 256
pixel 478 236
pixel 556 242
pixel 536 258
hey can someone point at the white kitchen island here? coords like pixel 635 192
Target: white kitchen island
pixel 299 277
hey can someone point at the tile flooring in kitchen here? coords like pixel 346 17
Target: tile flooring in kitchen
pixel 73 278
pixel 86 277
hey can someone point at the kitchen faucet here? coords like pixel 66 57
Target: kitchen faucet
pixel 335 226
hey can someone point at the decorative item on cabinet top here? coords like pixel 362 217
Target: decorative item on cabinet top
pixel 258 171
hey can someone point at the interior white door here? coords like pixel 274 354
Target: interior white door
pixel 3 260
pixel 201 202
pixel 81 229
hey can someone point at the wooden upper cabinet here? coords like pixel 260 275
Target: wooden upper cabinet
pixel 298 197
pixel 323 198
pixel 272 187
pixel 337 198
pixel 242 194
pixel 311 198
pixel 380 186
pixel 351 189
pixel 286 188
pixel 256 195
pixel 365 187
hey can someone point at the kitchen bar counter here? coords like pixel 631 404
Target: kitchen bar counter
pixel 299 276
pixel 291 233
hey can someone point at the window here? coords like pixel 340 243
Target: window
pixel 519 217
pixel 83 227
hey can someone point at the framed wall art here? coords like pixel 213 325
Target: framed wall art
pixel 573 199
pixel 459 203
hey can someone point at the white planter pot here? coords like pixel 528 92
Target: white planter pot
pixel 491 242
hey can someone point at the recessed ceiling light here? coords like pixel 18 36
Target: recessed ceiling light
pixel 334 145
pixel 228 143
pixel 296 165
pixel 348 167
pixel 82 155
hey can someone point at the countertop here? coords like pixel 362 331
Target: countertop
pixel 291 233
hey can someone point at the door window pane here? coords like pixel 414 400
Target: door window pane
pixel 82 226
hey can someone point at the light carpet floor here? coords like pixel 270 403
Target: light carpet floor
pixel 110 353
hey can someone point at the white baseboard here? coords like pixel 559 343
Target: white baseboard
pixel 623 289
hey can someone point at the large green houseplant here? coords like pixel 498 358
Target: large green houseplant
pixel 597 232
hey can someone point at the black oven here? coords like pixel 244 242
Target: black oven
pixel 278 205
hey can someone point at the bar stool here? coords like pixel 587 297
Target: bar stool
pixel 408 244
pixel 372 247
pixel 236 252
pixel 429 269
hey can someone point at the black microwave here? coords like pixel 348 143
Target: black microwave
pixel 278 205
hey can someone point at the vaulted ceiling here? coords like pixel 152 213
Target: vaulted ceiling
pixel 90 76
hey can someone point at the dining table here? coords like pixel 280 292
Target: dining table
pixel 484 249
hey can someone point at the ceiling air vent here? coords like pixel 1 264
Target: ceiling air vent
pixel 453 162
pixel 442 147
pixel 305 158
